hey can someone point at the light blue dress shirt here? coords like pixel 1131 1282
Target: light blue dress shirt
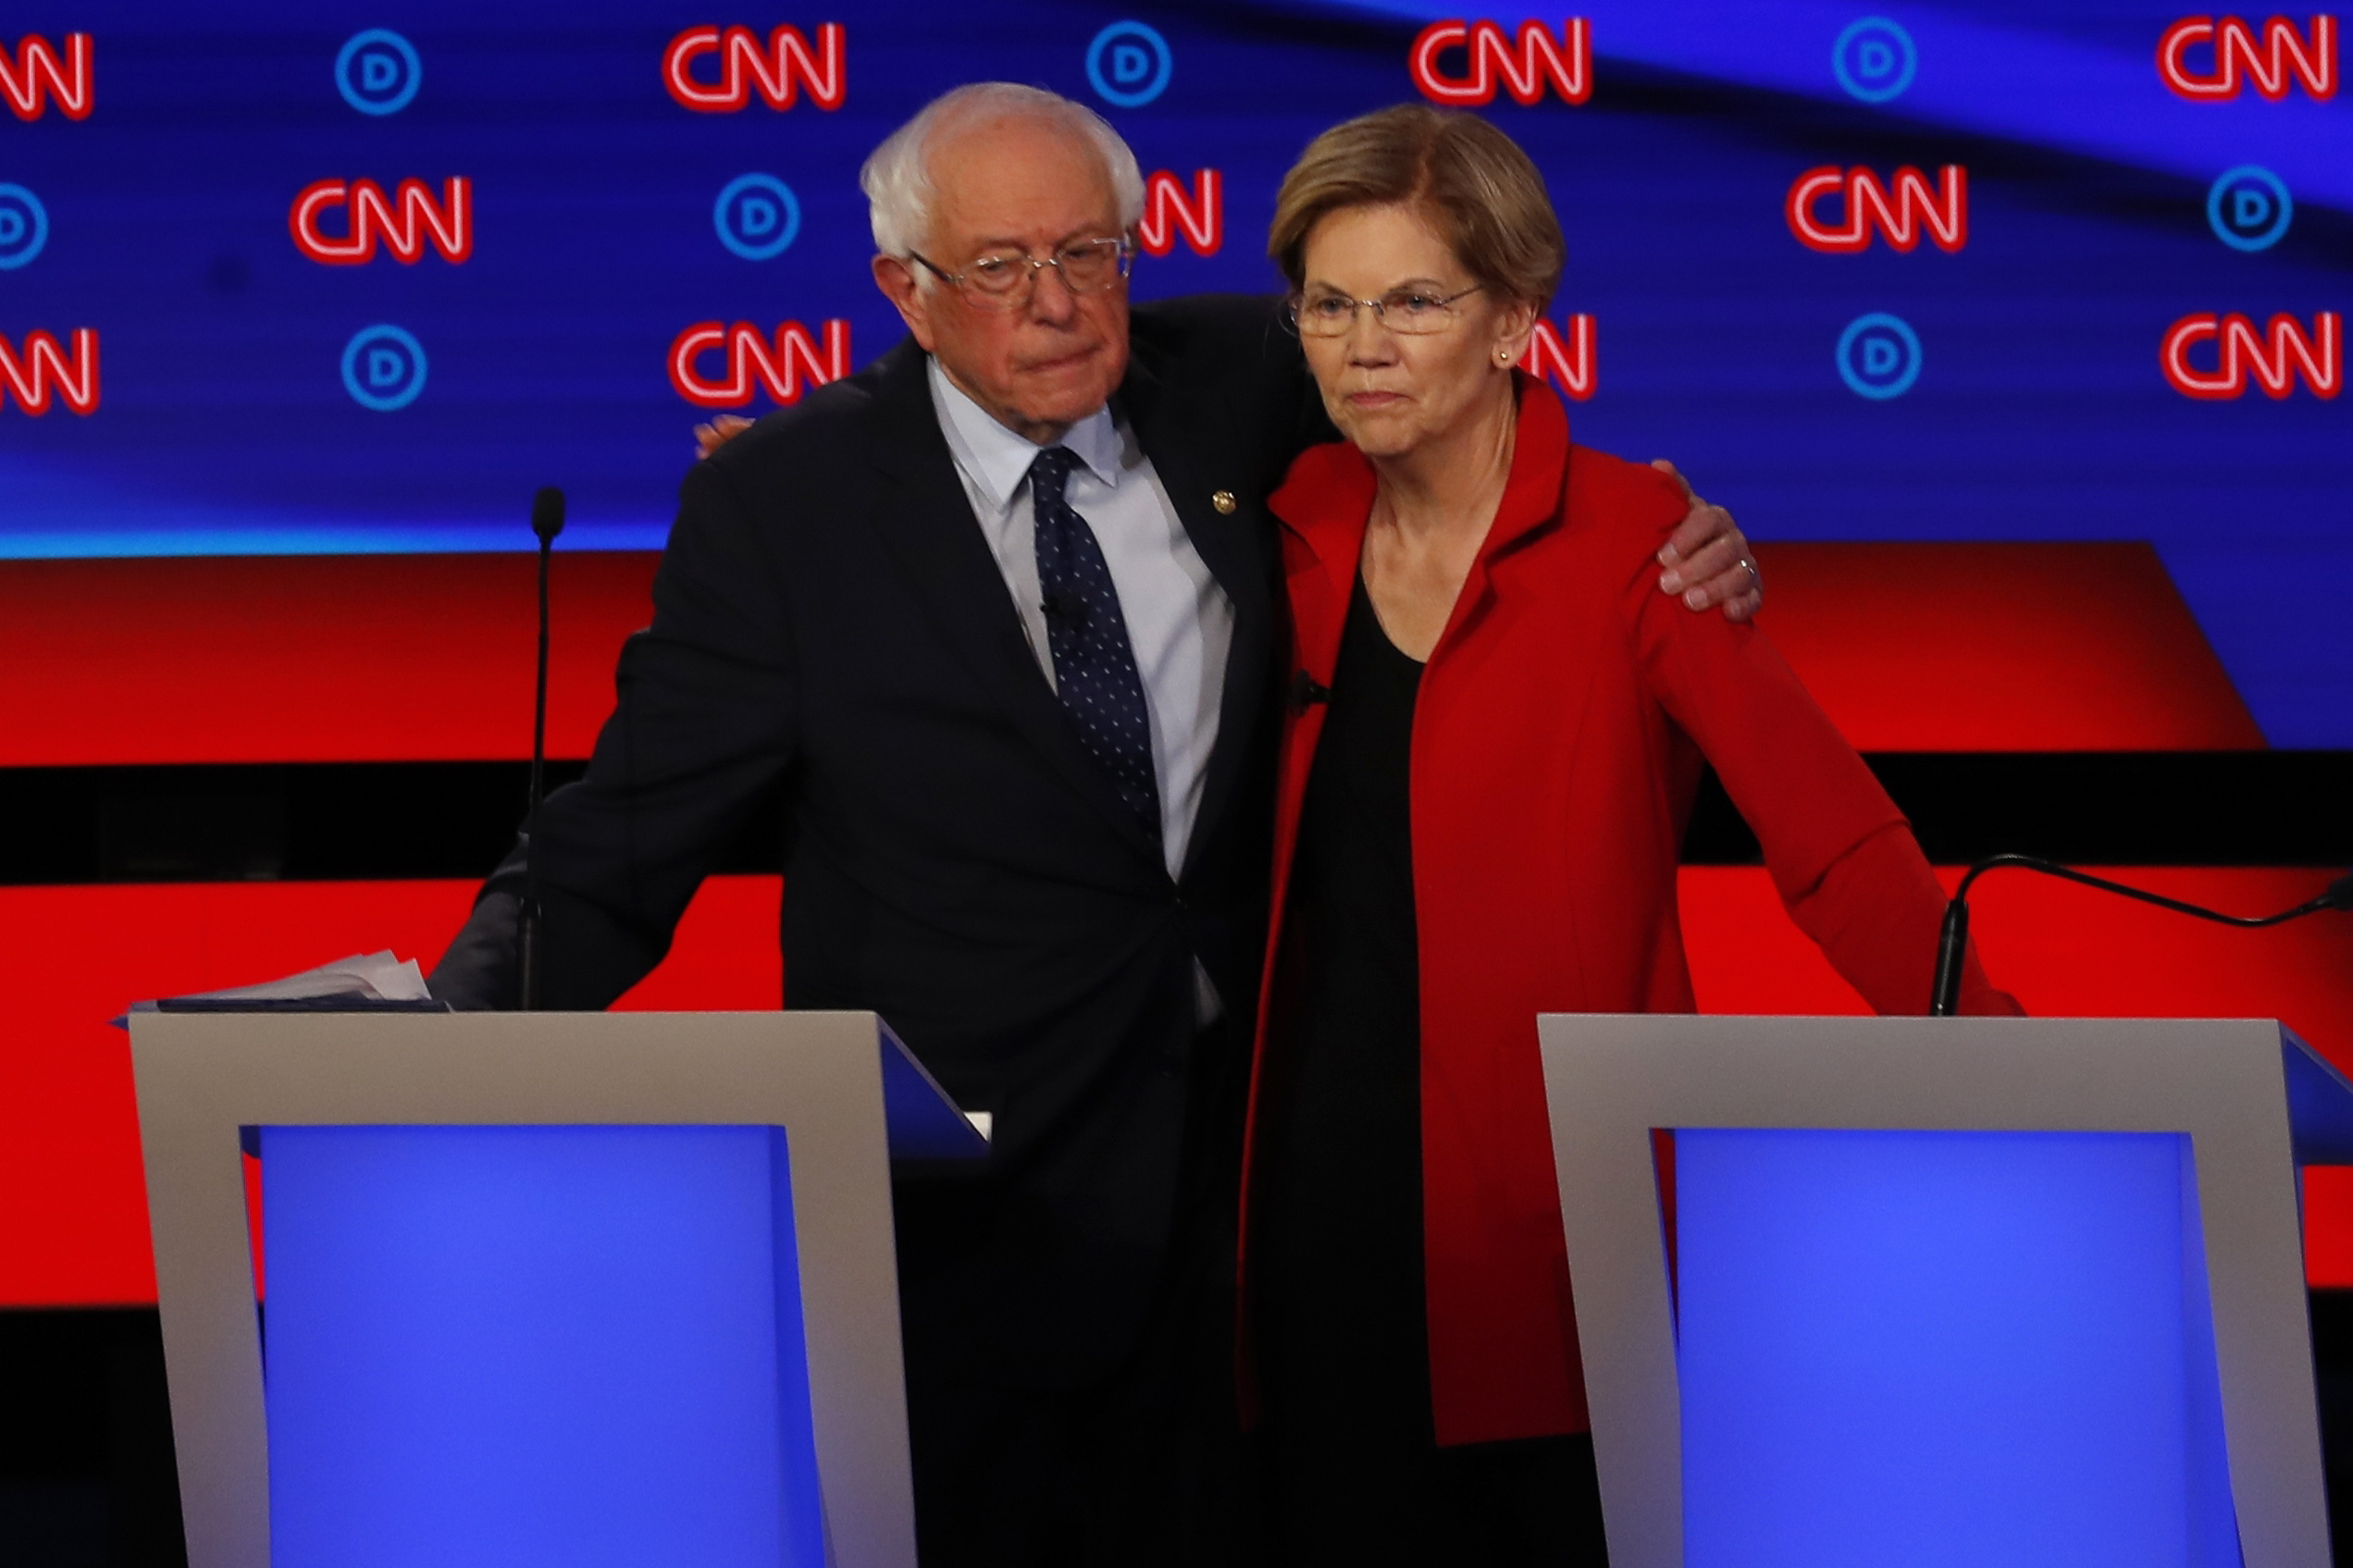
pixel 1180 621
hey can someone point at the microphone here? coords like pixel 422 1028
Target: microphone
pixel 1944 998
pixel 547 522
pixel 1306 691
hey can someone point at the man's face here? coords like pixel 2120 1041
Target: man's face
pixel 1040 359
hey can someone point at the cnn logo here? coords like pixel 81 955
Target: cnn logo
pixel 2274 358
pixel 1900 216
pixel 1526 65
pixel 2233 59
pixel 1169 209
pixel 38 75
pixel 779 71
pixel 1565 356
pixel 784 366
pixel 404 221
pixel 44 371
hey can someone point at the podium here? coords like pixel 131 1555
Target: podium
pixel 535 1288
pixel 1945 1290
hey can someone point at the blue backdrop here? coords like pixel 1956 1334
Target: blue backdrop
pixel 2001 378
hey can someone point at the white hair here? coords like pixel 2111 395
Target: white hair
pixel 898 180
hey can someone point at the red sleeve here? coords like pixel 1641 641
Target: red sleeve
pixel 1841 856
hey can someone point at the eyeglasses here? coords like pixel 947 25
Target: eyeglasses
pixel 994 277
pixel 1409 311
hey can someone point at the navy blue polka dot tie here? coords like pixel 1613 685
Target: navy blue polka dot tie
pixel 1093 665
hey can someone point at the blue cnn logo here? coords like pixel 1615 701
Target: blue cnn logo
pixel 377 72
pixel 757 216
pixel 1874 59
pixel 2249 208
pixel 1879 356
pixel 24 227
pixel 383 368
pixel 1128 64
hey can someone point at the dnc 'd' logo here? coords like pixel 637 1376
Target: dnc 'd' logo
pixel 39 76
pixel 378 72
pixel 24 227
pixel 1900 216
pixel 384 367
pixel 2274 358
pixel 1128 64
pixel 1169 209
pixel 779 71
pixel 1527 66
pixel 784 366
pixel 43 372
pixel 2249 208
pixel 1879 356
pixel 404 222
pixel 2209 59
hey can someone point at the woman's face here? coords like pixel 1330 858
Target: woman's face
pixel 1390 392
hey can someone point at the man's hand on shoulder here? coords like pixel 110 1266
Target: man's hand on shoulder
pixel 1706 559
pixel 710 437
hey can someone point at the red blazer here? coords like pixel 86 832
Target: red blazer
pixel 1557 740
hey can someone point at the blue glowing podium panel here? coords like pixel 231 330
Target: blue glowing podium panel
pixel 1941 1291
pixel 1945 1349
pixel 576 1289
pixel 518 1346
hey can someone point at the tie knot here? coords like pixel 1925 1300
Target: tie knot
pixel 1051 472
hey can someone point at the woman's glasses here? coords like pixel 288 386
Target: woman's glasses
pixel 1409 311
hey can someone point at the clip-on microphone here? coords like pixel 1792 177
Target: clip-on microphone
pixel 547 522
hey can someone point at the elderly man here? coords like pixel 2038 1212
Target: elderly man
pixel 999 618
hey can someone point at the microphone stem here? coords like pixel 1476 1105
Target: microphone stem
pixel 1944 998
pixel 528 928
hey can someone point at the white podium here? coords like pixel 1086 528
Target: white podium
pixel 548 1287
pixel 1946 1291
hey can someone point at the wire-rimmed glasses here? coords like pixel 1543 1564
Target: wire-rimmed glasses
pixel 995 279
pixel 1409 311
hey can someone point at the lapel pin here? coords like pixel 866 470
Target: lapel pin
pixel 1223 501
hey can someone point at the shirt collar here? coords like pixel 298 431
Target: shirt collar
pixel 997 459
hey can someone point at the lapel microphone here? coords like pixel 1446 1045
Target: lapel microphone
pixel 547 522
pixel 1306 691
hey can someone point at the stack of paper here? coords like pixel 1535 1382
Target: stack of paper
pixel 363 982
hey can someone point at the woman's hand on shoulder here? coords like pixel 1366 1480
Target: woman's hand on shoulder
pixel 1706 559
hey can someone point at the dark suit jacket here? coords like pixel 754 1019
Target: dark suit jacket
pixel 829 624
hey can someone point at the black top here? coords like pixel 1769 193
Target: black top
pixel 1337 1247
pixel 1350 1469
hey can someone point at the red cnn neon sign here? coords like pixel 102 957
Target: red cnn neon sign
pixel 2237 59
pixel 1942 212
pixel 403 221
pixel 29 379
pixel 2275 357
pixel 777 71
pixel 1526 66
pixel 1571 362
pixel 784 369
pixel 37 76
pixel 1167 209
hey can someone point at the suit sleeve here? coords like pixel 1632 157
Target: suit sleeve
pixel 701 729
pixel 1841 857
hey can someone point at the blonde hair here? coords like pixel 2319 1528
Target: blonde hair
pixel 1469 180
